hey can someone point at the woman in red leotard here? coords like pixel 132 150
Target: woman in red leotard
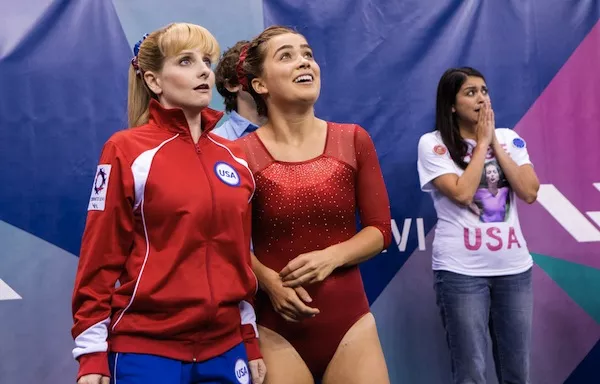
pixel 312 176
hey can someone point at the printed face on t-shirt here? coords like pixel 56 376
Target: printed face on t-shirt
pixel 492 175
pixel 491 202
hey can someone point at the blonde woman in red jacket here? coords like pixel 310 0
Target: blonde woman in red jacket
pixel 169 221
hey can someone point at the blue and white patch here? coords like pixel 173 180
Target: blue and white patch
pixel 518 143
pixel 241 372
pixel 227 174
pixel 98 197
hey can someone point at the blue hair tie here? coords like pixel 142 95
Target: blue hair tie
pixel 136 47
pixel 136 50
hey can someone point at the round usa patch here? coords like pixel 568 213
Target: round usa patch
pixel 241 372
pixel 227 174
pixel 518 142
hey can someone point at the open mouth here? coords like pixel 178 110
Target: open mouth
pixel 202 87
pixel 303 79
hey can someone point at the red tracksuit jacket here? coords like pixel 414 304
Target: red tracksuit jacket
pixel 169 220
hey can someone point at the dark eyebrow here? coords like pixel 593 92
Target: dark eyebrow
pixel 474 88
pixel 288 46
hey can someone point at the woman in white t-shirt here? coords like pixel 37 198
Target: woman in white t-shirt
pixel 482 267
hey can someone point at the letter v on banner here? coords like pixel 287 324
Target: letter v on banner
pixel 7 293
pixel 568 216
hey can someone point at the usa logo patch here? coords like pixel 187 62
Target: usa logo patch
pixel 227 174
pixel 241 372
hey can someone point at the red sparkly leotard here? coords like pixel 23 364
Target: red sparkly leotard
pixel 305 206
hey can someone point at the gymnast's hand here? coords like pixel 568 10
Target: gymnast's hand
pixel 93 379
pixel 258 371
pixel 288 302
pixel 308 268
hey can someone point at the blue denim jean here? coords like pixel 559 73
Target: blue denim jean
pixel 473 308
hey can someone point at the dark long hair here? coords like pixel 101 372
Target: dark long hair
pixel 445 120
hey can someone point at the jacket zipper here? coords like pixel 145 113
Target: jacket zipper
pixel 212 194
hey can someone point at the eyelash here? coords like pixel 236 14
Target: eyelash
pixel 206 60
pixel 471 93
pixel 310 55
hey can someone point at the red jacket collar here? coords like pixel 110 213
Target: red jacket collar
pixel 174 119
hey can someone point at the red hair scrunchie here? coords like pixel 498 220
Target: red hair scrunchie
pixel 241 75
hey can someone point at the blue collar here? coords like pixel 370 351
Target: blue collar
pixel 241 124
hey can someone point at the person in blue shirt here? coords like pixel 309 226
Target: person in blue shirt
pixel 239 104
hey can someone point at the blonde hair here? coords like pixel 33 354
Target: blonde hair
pixel 160 44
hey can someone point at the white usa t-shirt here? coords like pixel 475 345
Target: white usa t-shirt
pixel 484 239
